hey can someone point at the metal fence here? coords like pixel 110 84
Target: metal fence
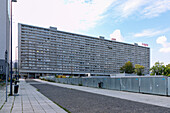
pixel 156 85
pixel 150 85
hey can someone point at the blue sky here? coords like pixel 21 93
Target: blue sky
pixel 130 21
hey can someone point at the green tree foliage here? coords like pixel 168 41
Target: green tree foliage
pixel 158 69
pixel 127 68
pixel 168 65
pixel 167 70
pixel 139 69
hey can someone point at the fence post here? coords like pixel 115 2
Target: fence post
pixel 6 65
pixel 120 83
pixel 139 83
pixel 167 86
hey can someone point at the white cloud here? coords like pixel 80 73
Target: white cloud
pixel 165 50
pixel 72 15
pixel 117 35
pixel 161 40
pixel 150 33
pixel 157 7
pixel 144 8
pixel 130 6
pixel 166 45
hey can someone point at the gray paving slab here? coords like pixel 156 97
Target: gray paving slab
pixel 29 100
pixel 28 111
pixel 5 111
pixel 40 111
pixel 16 111
pixel 50 111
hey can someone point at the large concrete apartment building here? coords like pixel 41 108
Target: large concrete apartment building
pixel 4 34
pixel 49 51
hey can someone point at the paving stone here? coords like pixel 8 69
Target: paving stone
pixel 49 111
pixel 16 111
pixel 28 111
pixel 37 107
pixel 29 100
pixel 5 111
pixel 40 111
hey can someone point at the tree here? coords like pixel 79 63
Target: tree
pixel 127 68
pixel 158 69
pixel 139 69
pixel 168 65
pixel 167 70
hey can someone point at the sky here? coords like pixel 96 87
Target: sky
pixel 129 21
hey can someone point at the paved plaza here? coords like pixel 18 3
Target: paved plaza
pixel 29 100
pixel 80 99
pixel 157 100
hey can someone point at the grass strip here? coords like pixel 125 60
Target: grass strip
pixel 2 105
pixel 12 105
pixel 62 107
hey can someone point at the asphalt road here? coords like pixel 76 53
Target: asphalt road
pixel 83 102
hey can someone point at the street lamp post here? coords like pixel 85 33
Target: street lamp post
pixel 6 66
pixel 11 49
pixel 16 61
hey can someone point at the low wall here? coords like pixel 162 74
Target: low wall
pixel 150 85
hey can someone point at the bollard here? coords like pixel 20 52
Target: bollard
pixel 16 86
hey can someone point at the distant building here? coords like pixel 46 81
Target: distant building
pixel 48 51
pixel 4 33
pixel 15 68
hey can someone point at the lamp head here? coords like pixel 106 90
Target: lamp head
pixel 14 0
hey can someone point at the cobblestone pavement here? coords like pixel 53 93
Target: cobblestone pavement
pixel 77 101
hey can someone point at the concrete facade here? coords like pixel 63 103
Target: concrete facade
pixel 46 51
pixel 4 31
